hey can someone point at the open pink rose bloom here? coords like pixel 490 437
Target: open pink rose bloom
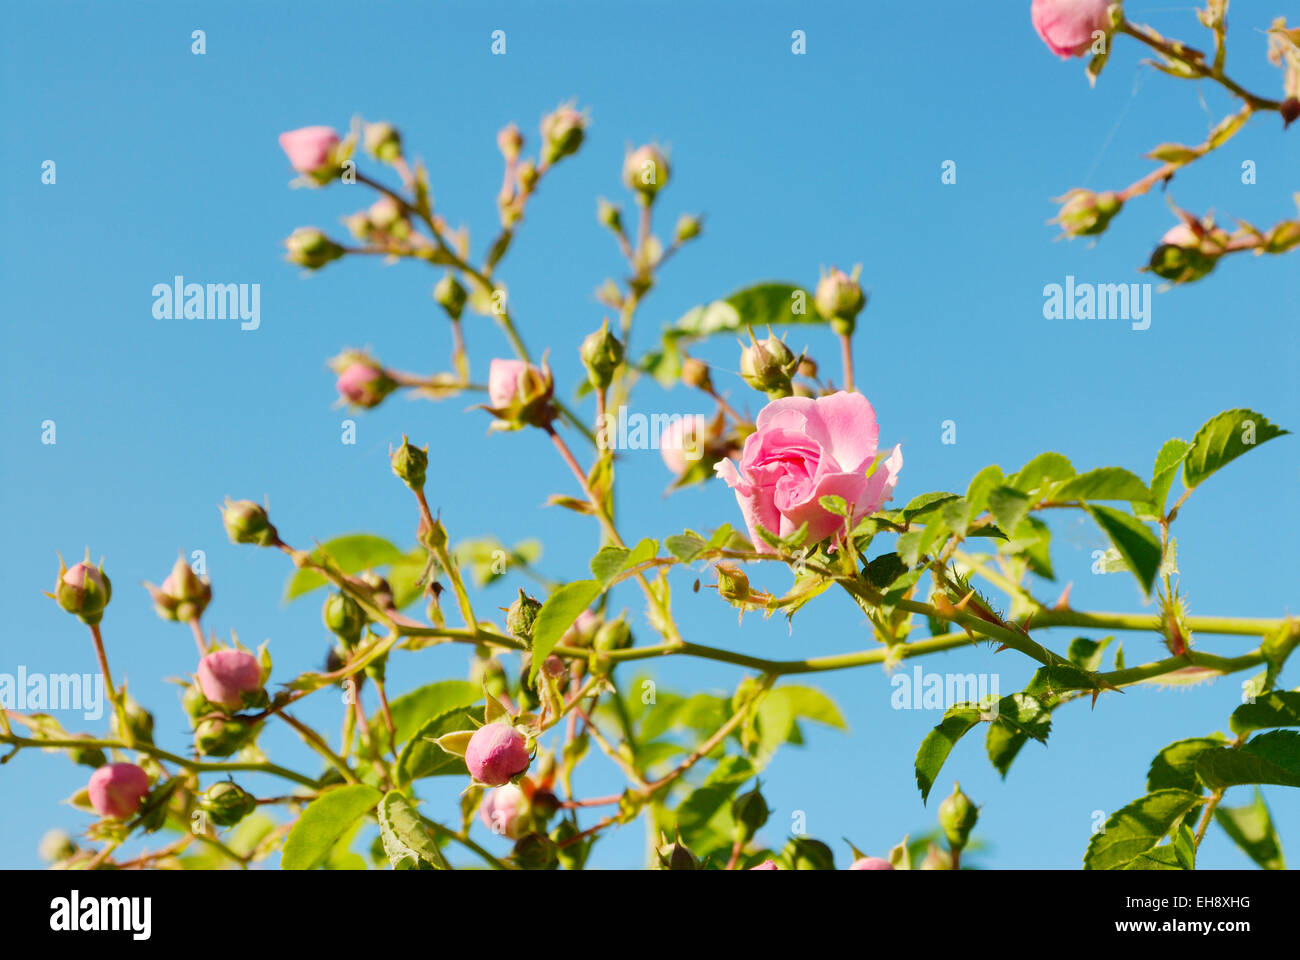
pixel 803 450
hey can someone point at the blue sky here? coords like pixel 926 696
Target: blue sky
pixel 167 164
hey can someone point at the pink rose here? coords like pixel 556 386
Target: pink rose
pixel 226 675
pixel 1067 26
pixel 496 752
pixel 871 863
pixel 803 450
pixel 766 865
pixel 683 442
pixel 501 810
pixel 309 148
pixel 117 789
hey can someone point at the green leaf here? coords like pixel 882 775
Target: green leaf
pixel 938 743
pixel 1105 483
pixel 1278 709
pixel 1174 767
pixel 608 563
pixel 408 840
pixel 764 304
pixel 1135 543
pixel 558 614
pixel 1046 468
pixel 977 494
pixel 1136 829
pixel 612 561
pixel 1251 828
pixel 926 503
pixel 1163 857
pixel 351 554
pixel 1087 653
pixel 1224 438
pixel 1008 506
pixel 835 505
pixel 1020 718
pixel 685 546
pixel 421 757
pixel 811 703
pixel 411 710
pixel 1162 474
pixel 1272 757
pixel 323 822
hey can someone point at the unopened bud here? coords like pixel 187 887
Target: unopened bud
pixel 957 816
pixel 750 812
pixel 609 215
pixel 536 851
pixel 521 616
pixel 56 845
pixel 83 590
pixel 688 228
pixel 183 596
pixel 344 618
pixel 450 295
pixel 309 247
pixel 226 803
pixel 247 522
pixel 562 133
pixel 840 299
pixel 601 353
pixel 676 856
pixel 139 722
pixel 221 736
pixel 383 142
pixel 410 464
pixel 1086 214
pixel 510 141
pixel 695 373
pixel 645 170
pixel 732 582
pixel 612 635
pixel 767 365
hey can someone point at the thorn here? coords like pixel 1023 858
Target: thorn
pixel 961 604
pixel 1063 601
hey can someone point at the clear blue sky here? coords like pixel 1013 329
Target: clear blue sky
pixel 167 164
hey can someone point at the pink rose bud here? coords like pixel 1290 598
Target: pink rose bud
pixel 871 863
pixel 364 384
pixel 510 141
pixel 645 170
pixel 766 865
pixel 309 148
pixel 563 131
pixel 226 675
pixel 502 811
pixel 117 789
pixel 1068 26
pixel 504 381
pixel 84 590
pixel 803 450
pixel 496 753
pixel 519 394
pixel 1182 236
pixel 682 444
